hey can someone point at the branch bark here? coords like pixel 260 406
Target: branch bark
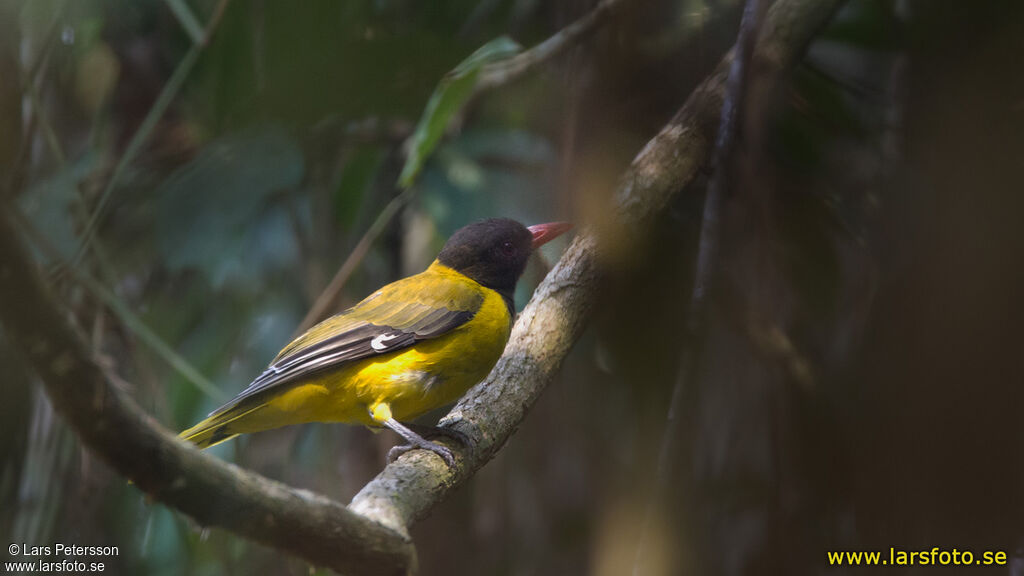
pixel 213 492
pixel 371 535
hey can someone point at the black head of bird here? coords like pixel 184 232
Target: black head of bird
pixel 494 252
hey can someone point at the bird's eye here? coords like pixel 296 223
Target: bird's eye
pixel 508 248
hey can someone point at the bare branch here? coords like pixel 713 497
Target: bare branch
pixel 489 414
pixel 502 73
pixel 332 292
pixel 215 493
pixel 149 123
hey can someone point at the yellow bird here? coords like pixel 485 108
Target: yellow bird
pixel 414 345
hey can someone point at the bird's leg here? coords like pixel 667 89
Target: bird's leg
pixel 381 413
pixel 431 432
pixel 416 441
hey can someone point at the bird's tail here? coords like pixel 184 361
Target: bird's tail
pixel 217 427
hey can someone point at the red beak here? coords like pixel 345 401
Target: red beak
pixel 544 233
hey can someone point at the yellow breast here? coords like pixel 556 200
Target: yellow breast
pixel 415 380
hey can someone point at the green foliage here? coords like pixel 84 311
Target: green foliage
pixel 867 25
pixel 470 176
pixel 208 207
pixel 449 96
pixel 226 212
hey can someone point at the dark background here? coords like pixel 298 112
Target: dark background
pixel 860 384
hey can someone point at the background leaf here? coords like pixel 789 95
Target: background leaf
pixel 449 96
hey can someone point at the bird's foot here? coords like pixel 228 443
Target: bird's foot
pixel 443 451
pixel 443 432
pixel 416 440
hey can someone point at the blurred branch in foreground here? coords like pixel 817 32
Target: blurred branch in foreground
pixel 370 536
pixel 707 259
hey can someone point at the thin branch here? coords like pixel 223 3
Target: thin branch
pixel 187 19
pixel 49 134
pixel 501 73
pixel 141 136
pixel 128 319
pixel 330 295
pixel 707 261
pixel 408 488
pixel 215 493
pixel 707 255
pixel 29 79
pixel 370 536
pixel 214 23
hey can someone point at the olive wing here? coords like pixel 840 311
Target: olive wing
pixel 395 317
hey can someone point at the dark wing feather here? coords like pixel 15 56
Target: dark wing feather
pixel 395 317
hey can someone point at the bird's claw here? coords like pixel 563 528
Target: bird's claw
pixel 443 451
pixel 444 432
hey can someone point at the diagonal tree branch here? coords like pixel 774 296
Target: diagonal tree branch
pixel 501 73
pixel 329 296
pixel 555 317
pixel 371 535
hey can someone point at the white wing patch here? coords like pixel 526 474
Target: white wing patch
pixel 380 342
pixel 417 377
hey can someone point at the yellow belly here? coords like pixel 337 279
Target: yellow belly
pixel 412 381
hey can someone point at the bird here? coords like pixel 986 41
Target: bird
pixel 412 346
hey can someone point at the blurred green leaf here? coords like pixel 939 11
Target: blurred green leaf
pixel 449 96
pixel 867 25
pixel 213 210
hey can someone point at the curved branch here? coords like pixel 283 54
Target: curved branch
pixel 501 73
pixel 215 493
pixel 489 414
